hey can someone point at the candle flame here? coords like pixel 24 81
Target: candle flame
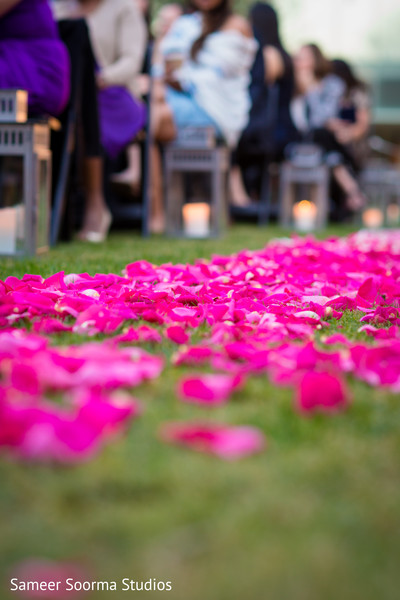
pixel 304 208
pixel 373 218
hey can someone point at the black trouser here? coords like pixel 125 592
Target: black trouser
pixel 75 35
pixel 80 121
pixel 328 142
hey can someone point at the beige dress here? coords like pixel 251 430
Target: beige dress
pixel 118 35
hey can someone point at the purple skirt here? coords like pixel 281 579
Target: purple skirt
pixel 41 68
pixel 121 117
pixel 33 58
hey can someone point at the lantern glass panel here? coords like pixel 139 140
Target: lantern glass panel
pixel 43 205
pixel 12 211
pixel 199 221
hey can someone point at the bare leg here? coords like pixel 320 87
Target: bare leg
pixel 238 193
pixel 157 215
pixel 163 127
pixel 97 217
pixel 131 175
pixel 355 197
pixel 163 131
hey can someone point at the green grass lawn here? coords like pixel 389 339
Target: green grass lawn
pixel 316 516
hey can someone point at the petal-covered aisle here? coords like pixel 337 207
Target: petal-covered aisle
pixel 275 313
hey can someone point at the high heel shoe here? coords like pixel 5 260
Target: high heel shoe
pixel 97 237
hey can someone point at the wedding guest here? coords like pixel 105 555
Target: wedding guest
pixel 131 175
pixel 118 35
pixel 113 24
pixel 32 57
pixel 270 125
pixel 319 94
pixel 208 56
pixel 353 122
pixel 216 49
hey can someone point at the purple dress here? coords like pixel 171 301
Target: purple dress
pixel 121 117
pixel 33 58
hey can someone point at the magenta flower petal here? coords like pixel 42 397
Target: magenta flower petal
pixel 177 334
pixel 259 313
pixel 368 292
pixel 208 389
pixel 226 442
pixel 43 432
pixel 194 355
pixel 321 392
pixel 48 326
pixel 25 378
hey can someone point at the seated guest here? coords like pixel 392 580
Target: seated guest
pixel 32 57
pixel 207 56
pixel 130 176
pixel 87 149
pixel 113 25
pixel 118 35
pixel 216 49
pixel 270 125
pixel 353 121
pixel 318 90
pixel 318 98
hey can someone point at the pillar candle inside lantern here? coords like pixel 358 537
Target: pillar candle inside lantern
pixel 373 218
pixel 196 219
pixel 304 215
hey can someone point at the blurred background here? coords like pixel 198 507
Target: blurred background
pixel 362 31
pixel 365 32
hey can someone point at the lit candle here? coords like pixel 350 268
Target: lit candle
pixel 372 218
pixel 305 216
pixel 393 214
pixel 8 230
pixel 196 219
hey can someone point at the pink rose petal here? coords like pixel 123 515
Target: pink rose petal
pixel 177 334
pixel 208 389
pixel 321 392
pixel 226 442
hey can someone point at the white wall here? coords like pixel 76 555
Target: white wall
pixel 363 30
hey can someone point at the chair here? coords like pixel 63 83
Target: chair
pixel 381 184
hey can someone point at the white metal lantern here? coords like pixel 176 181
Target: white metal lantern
pixel 13 106
pixel 381 184
pixel 25 171
pixel 196 152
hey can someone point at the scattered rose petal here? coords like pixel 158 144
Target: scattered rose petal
pixel 321 392
pixel 226 442
pixel 208 389
pixel 177 334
